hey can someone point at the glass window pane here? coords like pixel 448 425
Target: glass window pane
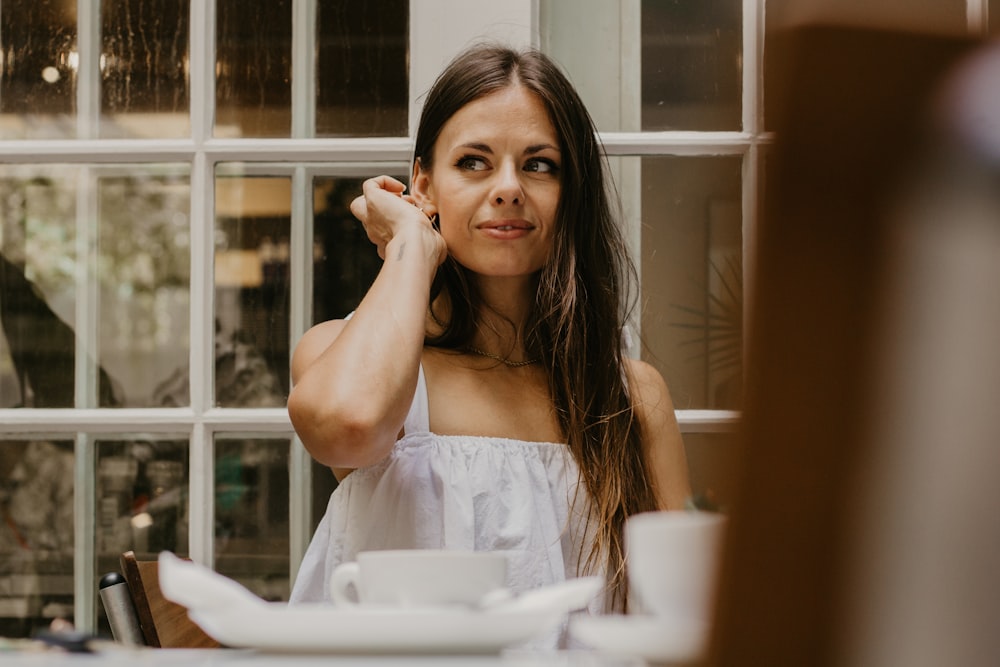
pixel 36 536
pixel 253 214
pixel 37 285
pixel 144 68
pixel 654 65
pixel 692 64
pixel 606 73
pixel 692 278
pixel 362 75
pixel 38 61
pixel 144 282
pixel 253 68
pixel 142 498
pixel 251 513
pixel 345 261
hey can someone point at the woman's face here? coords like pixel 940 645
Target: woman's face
pixel 495 183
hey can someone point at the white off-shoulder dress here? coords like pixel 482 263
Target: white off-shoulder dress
pixel 457 492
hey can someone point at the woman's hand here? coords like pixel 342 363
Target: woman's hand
pixel 386 213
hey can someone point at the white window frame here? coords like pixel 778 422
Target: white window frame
pixel 438 29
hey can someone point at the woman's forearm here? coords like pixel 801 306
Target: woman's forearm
pixel 349 404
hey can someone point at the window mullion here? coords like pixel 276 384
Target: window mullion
pixel 753 65
pixel 627 172
pixel 303 68
pixel 201 502
pixel 707 421
pixel 87 307
pixel 86 350
pixel 201 506
pixel 301 264
pixel 682 143
pixel 88 82
pixel 753 122
pixel 201 70
pixel 201 357
pixel 300 316
pixel 84 531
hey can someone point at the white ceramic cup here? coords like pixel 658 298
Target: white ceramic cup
pixel 418 577
pixel 673 561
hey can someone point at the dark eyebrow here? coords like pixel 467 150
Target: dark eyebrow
pixel 483 148
pixel 530 150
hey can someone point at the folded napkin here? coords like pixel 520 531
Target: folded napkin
pixel 200 588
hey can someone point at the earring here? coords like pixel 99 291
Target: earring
pixel 436 222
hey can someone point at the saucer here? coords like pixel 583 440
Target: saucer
pixel 658 640
pixel 322 628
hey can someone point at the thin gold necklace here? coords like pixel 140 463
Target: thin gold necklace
pixel 502 360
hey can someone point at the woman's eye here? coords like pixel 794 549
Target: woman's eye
pixel 471 163
pixel 541 166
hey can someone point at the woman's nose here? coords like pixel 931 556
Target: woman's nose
pixel 508 187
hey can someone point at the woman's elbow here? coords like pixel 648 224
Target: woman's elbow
pixel 338 438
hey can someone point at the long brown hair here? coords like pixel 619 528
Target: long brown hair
pixel 583 296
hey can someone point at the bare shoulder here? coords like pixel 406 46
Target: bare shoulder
pixel 312 344
pixel 661 434
pixel 649 390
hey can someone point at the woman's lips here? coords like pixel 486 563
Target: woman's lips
pixel 506 229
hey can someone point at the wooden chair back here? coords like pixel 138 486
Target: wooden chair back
pixel 164 624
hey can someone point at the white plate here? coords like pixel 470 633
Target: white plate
pixel 313 628
pixel 657 640
pixel 234 616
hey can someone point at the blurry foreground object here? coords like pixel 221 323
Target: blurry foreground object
pixel 863 532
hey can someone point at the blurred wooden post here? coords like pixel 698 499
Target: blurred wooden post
pixel 846 106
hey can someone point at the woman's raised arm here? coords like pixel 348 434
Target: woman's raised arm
pixel 353 380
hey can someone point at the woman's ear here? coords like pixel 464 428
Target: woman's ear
pixel 422 190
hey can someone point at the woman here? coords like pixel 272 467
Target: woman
pixel 478 398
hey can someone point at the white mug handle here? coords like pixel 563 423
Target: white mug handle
pixel 344 575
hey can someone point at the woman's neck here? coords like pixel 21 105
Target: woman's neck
pixel 506 300
pixel 501 316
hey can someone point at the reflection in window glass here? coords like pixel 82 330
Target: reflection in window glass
pixel 253 68
pixel 38 61
pixel 691 64
pixel 144 282
pixel 251 513
pixel 692 278
pixel 253 215
pixel 345 262
pixel 362 68
pixel 144 68
pixel 36 535
pixel 142 498
pixel 141 502
pixel 37 286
